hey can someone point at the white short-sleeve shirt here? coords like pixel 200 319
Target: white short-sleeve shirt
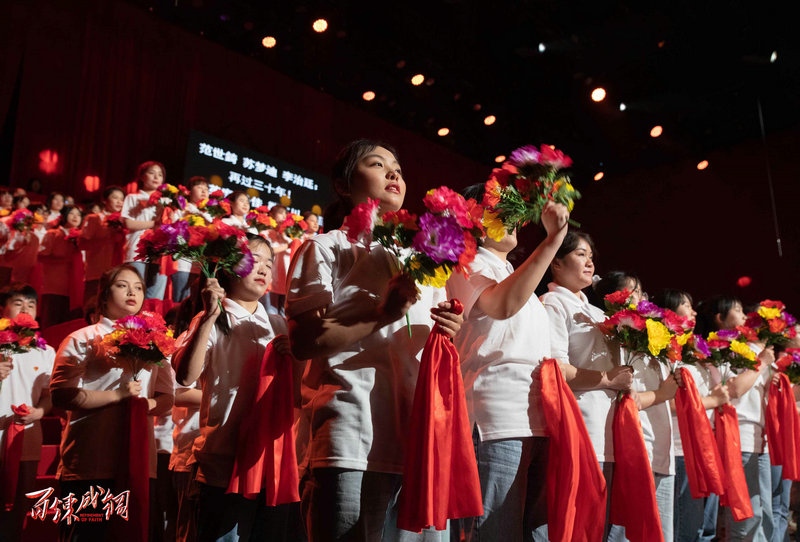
pixel 91 443
pixel 750 408
pixel 499 357
pixel 648 374
pixel 229 381
pixel 576 339
pixel 24 386
pixel 135 207
pixel 358 401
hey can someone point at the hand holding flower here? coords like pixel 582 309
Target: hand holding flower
pixel 130 389
pixel 620 378
pixel 401 293
pixel 212 296
pixel 720 395
pixel 555 219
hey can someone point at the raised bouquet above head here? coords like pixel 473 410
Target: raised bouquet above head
pixel 169 195
pixel 428 247
pixel 646 328
pixel 772 323
pixel 789 363
pixel 730 346
pixel 517 192
pixel 138 342
pixel 216 205
pixel 260 219
pixel 293 227
pixel 24 220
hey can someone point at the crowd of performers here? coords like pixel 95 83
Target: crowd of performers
pixel 347 311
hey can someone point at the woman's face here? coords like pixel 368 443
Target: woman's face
pixel 57 203
pixel 126 297
pixel 152 178
pixel 198 193
pixel 635 288
pixel 378 176
pixel 254 285
pixel 735 317
pixel 74 218
pixel 685 309
pixel 6 199
pixel 241 206
pixel 575 270
pixel 114 202
pixel 312 224
pixel 23 203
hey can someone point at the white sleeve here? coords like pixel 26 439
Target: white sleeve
pixel 310 282
pixel 130 202
pixel 468 289
pixel 559 330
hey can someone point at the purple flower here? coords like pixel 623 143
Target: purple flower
pixel 701 345
pixel 524 156
pixel 440 238
pixel 181 202
pixel 728 334
pixel 177 231
pixel 245 265
pixel 649 310
pixel 40 342
pixel 132 322
pixel 790 320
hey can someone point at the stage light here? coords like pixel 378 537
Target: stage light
pixel 488 121
pixel 132 187
pixel 744 282
pixel 499 159
pixel 773 57
pixel 48 161
pixel 443 131
pixel 622 107
pixel 91 183
pixel 476 107
pixel 269 42
pixel 417 80
pixel 368 96
pixel 702 165
pixel 320 25
pixel 598 94
pixel 656 131
pixel 542 48
pixel 598 175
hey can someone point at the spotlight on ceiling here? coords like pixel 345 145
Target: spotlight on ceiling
pixel 417 80
pixel 773 57
pixel 542 48
pixel 598 175
pixel 488 121
pixel 656 131
pixel 368 96
pixel 702 165
pixel 598 94
pixel 269 42
pixel 443 131
pixel 500 158
pixel 622 107
pixel 320 25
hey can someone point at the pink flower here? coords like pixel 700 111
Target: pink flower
pixel 361 221
pixel 8 336
pixel 554 157
pixel 627 318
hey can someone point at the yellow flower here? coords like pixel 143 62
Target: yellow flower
pixel 439 279
pixel 713 336
pixel 414 265
pixel 171 188
pixel 768 313
pixel 682 339
pixel 743 350
pixel 286 201
pixel 170 333
pixel 195 220
pixel 4 323
pixel 494 226
pixel 297 218
pixel 202 204
pixel 658 336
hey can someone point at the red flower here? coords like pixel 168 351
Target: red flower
pixel 748 332
pixel 475 213
pixel 718 344
pixel 402 217
pixel 777 325
pixel 783 362
pixel 554 157
pixel 225 205
pixel 674 352
pixel 25 320
pixel 491 193
pixel 619 298
pixel 154 197
pixel 470 249
pixel 225 230
pixel 675 323
pixel 303 225
pixel 754 320
pixel 770 304
pixel 627 318
pixel 197 236
pixel 523 185
pixel 25 341
pixel 8 336
pixel 503 174
pixel 216 194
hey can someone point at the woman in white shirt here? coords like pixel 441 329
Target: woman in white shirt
pixel 576 339
pixel 748 390
pixel 139 215
pixel 504 338
pixel 93 390
pixel 345 306
pixel 240 206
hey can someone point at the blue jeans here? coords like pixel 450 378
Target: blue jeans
pixel 180 285
pixel 695 519
pixel 758 476
pixel 341 505
pixel 155 282
pixel 229 517
pixel 513 474
pixel 781 494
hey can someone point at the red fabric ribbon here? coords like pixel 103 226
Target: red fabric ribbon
pixel 265 456
pixel 136 473
pixel 440 476
pixel 703 462
pixel 12 455
pixel 783 428
pixel 633 491
pixel 736 496
pixel 576 488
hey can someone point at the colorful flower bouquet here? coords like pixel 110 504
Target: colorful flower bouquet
pixel 294 227
pixel 18 335
pixel 24 220
pixel 772 323
pixel 646 328
pixel 428 248
pixel 216 205
pixel 694 349
pixel 138 342
pixel 730 346
pixel 168 195
pixel 517 192
pixel 260 219
pixel 789 364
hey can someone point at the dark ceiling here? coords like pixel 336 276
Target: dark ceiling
pixel 696 68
